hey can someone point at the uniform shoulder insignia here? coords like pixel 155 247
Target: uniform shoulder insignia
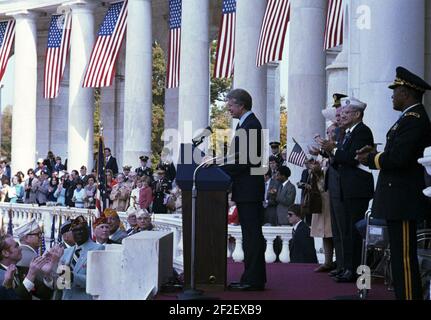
pixel 414 114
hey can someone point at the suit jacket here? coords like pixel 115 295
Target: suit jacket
pixel 354 182
pixel 246 187
pixel 401 179
pixel 285 198
pixel 28 254
pixel 32 194
pixel 77 290
pixel 40 290
pixel 42 192
pixel 304 178
pixel 118 235
pixel 112 164
pixel 301 245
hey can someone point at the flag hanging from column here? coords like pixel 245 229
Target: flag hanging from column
pixel 334 24
pixel 100 197
pixel 7 35
pixel 56 53
pixel 101 68
pixel 174 46
pixel 223 67
pixel 273 32
pixel 297 155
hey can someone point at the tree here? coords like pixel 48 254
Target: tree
pixel 6 132
pixel 219 87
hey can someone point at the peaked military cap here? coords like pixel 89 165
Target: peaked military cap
pixel 408 79
pixel 337 99
pixel 274 144
pixel 143 158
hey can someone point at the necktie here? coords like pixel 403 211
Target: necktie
pixel 293 232
pixel 237 126
pixel 347 137
pixel 75 258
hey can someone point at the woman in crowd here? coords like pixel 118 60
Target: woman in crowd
pixel 16 191
pixel 90 192
pixel 120 194
pixel 78 195
pixel 53 185
pixel 145 194
pixel 110 183
pixel 60 192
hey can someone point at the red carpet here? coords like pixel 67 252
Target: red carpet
pixel 296 282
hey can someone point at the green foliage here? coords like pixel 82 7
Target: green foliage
pixel 6 132
pixel 219 87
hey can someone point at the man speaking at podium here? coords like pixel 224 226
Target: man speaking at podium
pixel 248 190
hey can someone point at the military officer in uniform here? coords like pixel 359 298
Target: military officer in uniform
pixel 398 197
pixel 275 152
pixel 143 170
pixel 161 188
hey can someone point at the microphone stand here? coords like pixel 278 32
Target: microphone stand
pixel 193 293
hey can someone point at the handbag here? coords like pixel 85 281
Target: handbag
pixel 312 201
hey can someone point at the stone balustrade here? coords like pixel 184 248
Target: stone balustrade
pixel 163 222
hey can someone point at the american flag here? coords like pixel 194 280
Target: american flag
pixel 10 223
pixel 56 53
pixel 100 196
pixel 7 34
pixel 273 31
pixel 101 68
pixel 173 69
pixel 223 67
pixel 297 156
pixel 52 238
pixel 334 24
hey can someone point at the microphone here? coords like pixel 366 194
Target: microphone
pixel 200 138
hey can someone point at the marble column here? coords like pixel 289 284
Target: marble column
pixel 353 45
pixel 193 96
pixel 273 101
pixel 81 100
pixel 392 40
pixel 25 85
pixel 138 83
pixel 249 16
pixel 307 76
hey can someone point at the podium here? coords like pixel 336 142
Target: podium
pixel 210 224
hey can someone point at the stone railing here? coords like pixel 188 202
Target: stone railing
pixel 164 222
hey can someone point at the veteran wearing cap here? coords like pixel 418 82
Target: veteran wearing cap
pixel 75 258
pixel 355 183
pixel 102 229
pixel 117 230
pixel 29 235
pixel 399 198
pixel 144 170
pixel 66 235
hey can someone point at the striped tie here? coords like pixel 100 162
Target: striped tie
pixel 75 258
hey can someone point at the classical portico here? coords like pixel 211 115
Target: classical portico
pixel 376 40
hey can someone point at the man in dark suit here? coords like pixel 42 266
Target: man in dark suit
pixel 248 189
pixel 356 184
pixel 301 246
pixel 24 281
pixel 111 162
pixel 399 198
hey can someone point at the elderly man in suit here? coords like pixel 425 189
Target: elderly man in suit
pixel 286 194
pixel 102 231
pixel 248 189
pixel 76 259
pixel 355 181
pixel 29 235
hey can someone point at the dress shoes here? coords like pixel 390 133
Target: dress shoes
pixel 235 286
pixel 335 272
pixel 324 268
pixel 347 276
